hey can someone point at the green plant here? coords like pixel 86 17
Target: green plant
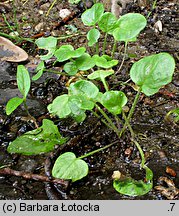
pixel 175 113
pixel 148 74
pixel 23 83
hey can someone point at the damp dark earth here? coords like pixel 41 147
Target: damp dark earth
pixel 28 176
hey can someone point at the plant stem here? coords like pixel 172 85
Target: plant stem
pixel 104 44
pixel 30 116
pixel 16 37
pixel 130 112
pixel 98 150
pixel 108 125
pixel 124 55
pixel 141 153
pixel 105 84
pixel 114 48
pixel 109 121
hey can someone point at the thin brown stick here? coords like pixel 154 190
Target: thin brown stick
pixel 9 171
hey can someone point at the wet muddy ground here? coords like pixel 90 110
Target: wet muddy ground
pixel 159 138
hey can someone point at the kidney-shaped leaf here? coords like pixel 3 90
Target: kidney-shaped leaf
pixel 91 16
pixel 64 53
pixel 67 166
pixel 60 106
pixel 114 101
pixel 152 72
pixel 100 74
pixel 130 26
pixel 84 88
pixel 104 61
pixel 40 140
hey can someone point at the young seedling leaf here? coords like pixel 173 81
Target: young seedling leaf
pixel 60 106
pixel 48 44
pixel 40 140
pixel 108 22
pixel 113 101
pixel 84 88
pixel 81 102
pixel 152 72
pixel 64 53
pixel 91 16
pixel 100 74
pixel 12 104
pixel 70 68
pixel 93 36
pixel 68 167
pixel 78 52
pixel 132 187
pixel 84 62
pixel 129 26
pixel 104 61
pixel 23 80
pixel 40 68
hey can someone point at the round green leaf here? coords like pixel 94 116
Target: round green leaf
pixel 23 80
pixel 67 166
pixel 152 72
pixel 114 101
pixel 93 36
pixel 64 53
pixel 60 106
pixel 12 104
pixel 40 140
pixel 70 68
pixel 84 88
pixel 129 26
pixel 81 101
pixel 91 16
pixel 84 62
pixel 107 22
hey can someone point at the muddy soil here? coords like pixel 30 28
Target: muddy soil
pixel 159 138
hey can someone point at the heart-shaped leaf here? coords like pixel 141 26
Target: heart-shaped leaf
pixel 108 22
pixel 64 53
pixel 91 16
pixel 84 62
pixel 114 101
pixel 152 72
pixel 60 106
pixel 70 68
pixel 93 36
pixel 40 140
pixel 12 104
pixel 68 167
pixel 129 26
pixel 84 88
pixel 23 80
pixel 100 74
pixel 131 187
pixel 104 61
pixel 49 44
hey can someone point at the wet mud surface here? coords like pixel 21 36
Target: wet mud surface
pixel 159 138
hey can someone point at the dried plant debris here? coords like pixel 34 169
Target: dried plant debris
pixel 10 52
